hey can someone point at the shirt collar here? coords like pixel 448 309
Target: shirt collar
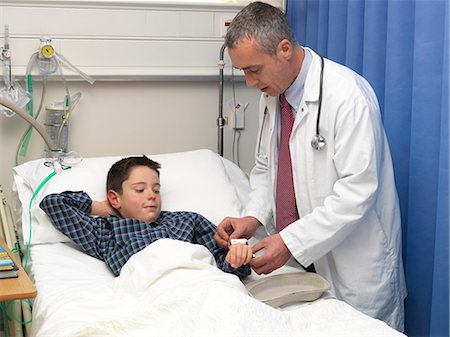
pixel 294 93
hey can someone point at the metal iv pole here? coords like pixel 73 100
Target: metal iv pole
pixel 220 119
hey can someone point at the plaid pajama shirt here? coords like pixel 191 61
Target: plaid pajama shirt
pixel 114 239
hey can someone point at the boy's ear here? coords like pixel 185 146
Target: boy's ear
pixel 114 199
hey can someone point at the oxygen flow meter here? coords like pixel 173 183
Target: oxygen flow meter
pixel 46 49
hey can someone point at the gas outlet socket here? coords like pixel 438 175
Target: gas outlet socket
pixel 238 112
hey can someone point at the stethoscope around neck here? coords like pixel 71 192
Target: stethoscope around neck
pixel 318 142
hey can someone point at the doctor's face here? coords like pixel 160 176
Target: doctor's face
pixel 269 73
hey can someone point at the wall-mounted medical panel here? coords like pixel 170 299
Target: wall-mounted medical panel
pixel 174 40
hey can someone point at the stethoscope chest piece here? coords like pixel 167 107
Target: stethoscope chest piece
pixel 318 142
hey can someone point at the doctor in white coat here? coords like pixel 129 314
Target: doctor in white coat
pixel 348 219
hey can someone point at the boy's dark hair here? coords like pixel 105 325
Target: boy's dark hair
pixel 120 171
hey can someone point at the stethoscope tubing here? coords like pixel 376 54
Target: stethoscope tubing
pixel 261 132
pixel 317 136
pixel 319 109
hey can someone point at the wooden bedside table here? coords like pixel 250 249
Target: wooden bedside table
pixel 16 288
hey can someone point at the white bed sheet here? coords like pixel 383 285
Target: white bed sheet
pixel 78 295
pixel 170 288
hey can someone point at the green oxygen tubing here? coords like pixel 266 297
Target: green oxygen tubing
pixel 4 306
pixel 45 181
pixel 22 113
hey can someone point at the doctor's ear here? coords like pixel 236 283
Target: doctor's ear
pixel 284 49
pixel 114 199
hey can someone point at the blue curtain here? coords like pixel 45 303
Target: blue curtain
pixel 401 48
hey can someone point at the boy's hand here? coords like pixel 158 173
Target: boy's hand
pixel 103 208
pixel 234 228
pixel 239 254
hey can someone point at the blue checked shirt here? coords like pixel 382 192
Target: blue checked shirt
pixel 114 239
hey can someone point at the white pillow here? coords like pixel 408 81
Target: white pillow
pixel 190 181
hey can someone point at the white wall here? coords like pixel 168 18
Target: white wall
pixel 123 38
pixel 155 62
pixel 125 117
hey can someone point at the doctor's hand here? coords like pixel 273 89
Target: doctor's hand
pixel 276 254
pixel 235 228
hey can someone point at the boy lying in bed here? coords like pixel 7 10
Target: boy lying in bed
pixel 131 219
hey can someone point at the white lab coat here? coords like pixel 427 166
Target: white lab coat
pixel 349 224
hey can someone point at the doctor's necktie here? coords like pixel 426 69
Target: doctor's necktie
pixel 286 207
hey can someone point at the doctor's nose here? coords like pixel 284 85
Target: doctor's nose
pixel 250 80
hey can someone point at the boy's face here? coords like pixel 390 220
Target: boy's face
pixel 140 198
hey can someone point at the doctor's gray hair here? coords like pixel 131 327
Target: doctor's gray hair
pixel 263 22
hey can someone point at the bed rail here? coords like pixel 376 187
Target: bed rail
pixel 16 310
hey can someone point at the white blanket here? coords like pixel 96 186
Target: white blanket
pixel 173 288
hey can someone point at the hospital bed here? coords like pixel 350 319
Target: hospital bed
pixel 170 288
